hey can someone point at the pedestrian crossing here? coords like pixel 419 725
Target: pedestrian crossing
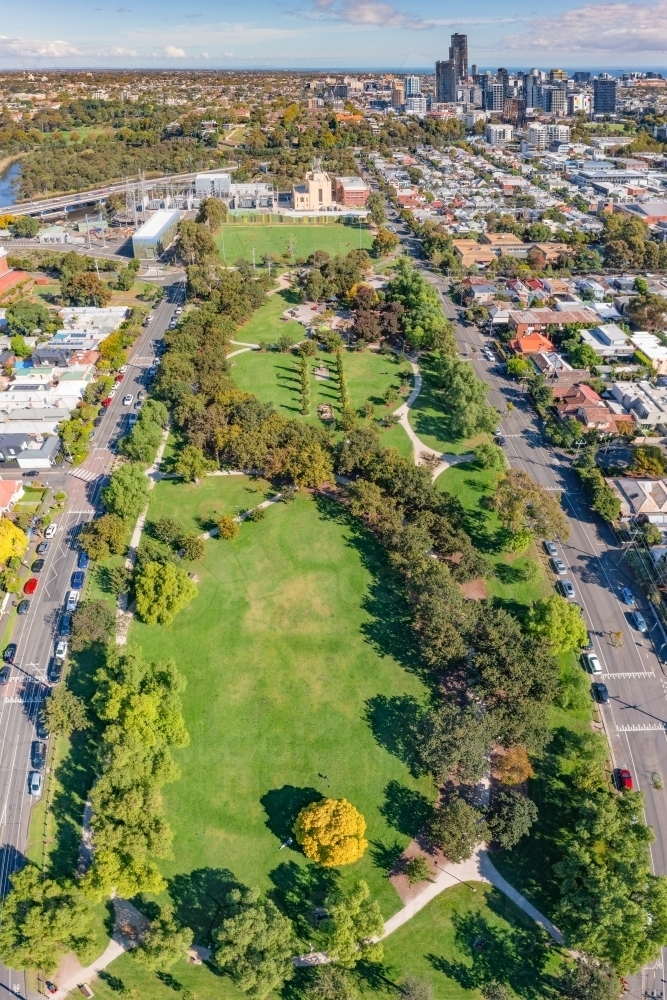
pixel 86 474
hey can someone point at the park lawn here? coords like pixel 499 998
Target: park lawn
pixel 431 423
pixel 286 649
pixel 267 324
pixel 139 982
pixel 238 240
pixel 395 437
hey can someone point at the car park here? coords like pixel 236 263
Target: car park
pixel 591 663
pixel 42 548
pixel 550 548
pixel 50 531
pixel 600 692
pixel 38 754
pixel 566 588
pixel 83 561
pixel 30 585
pixel 5 674
pixel 35 782
pixel 55 670
pixel 78 579
pixel 558 566
pixel 623 779
pixel 37 566
pixel 41 730
pixel 23 608
pixel 638 621
pixel 627 596
pixel 65 626
pixel 72 600
pixel 9 654
pixel 127 399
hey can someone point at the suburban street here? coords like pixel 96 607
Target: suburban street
pixel 35 632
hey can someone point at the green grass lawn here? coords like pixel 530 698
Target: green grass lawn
pixel 295 636
pixel 267 323
pixel 237 240
pixel 429 420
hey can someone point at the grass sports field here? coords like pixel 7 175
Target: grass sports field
pixel 290 659
pixel 236 241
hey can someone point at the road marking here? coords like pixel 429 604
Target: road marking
pixel 84 474
pixel 641 728
pixel 628 674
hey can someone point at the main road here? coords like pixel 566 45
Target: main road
pixel 34 633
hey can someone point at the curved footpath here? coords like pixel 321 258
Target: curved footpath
pixel 130 923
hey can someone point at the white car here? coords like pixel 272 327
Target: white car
pixel 61 649
pixel 123 369
pixel 592 663
pixel 127 399
pixel 35 783
pixel 50 531
pixel 72 600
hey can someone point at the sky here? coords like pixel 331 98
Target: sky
pixel 331 34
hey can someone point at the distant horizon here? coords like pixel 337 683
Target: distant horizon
pixel 397 71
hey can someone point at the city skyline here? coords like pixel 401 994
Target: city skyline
pixel 328 34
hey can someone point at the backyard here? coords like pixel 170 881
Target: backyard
pixel 238 240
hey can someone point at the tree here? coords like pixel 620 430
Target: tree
pixel 456 828
pixel 496 991
pixel 646 311
pixel 19 347
pixel 64 712
pixel 162 591
pixel 558 622
pixel 464 397
pixel 353 920
pixel 522 504
pixel 228 527
pixel 375 207
pixel 13 541
pixel 417 870
pixel 192 464
pixel 194 242
pixel 193 547
pixel 42 920
pixel 93 622
pixel 332 983
pixel 167 530
pixel 587 981
pixel 581 355
pixel 416 988
pixel 255 944
pixel 85 289
pixel 512 767
pixel 25 227
pixel 212 212
pixel 649 461
pixel 519 366
pixel 127 493
pixel 385 242
pixel 11 582
pixel 103 537
pixel 490 456
pixel 454 741
pixel 164 943
pixel 331 832
pixel 24 317
pixel 511 818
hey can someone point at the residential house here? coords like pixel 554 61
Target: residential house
pixel 642 498
pixel 478 291
pixel 530 342
pixel 527 320
pixel 552 251
pixel 472 253
pixel 654 350
pixel 582 403
pixel 647 402
pixel 29 450
pixel 554 367
pixel 608 341
pixel 11 492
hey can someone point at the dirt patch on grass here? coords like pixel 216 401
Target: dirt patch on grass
pixel 400 881
pixel 475 590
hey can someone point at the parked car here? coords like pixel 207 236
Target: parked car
pixel 627 596
pixel 588 648
pixel 38 754
pixel 591 663
pixel 30 585
pixel 83 561
pixel 51 987
pixel 550 548
pixel 149 319
pixel 128 399
pixel 639 621
pixel 141 395
pixel 623 779
pixel 72 600
pixel 10 653
pixel 31 474
pixel 41 730
pixel 119 378
pixel 566 588
pixel 5 674
pixel 132 418
pixel 558 566
pixel 78 579
pixel 65 626
pixel 23 608
pixel 55 670
pixel 42 548
pixel 35 782
pixel 37 566
pixel 50 531
pixel 600 692
pixel 122 369
pixel 107 402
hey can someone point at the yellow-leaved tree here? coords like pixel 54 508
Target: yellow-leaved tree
pixel 331 832
pixel 13 541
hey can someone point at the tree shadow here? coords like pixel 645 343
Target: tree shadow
pixel 386 856
pixel 299 889
pixel 405 809
pixel 170 981
pixel 393 722
pixel 11 860
pixel 508 573
pixel 199 899
pixel 283 805
pixel 115 984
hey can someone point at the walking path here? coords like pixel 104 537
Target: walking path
pixel 246 513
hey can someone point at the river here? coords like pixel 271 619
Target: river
pixel 8 175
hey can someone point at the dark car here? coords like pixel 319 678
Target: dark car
pixel 588 645
pixel 78 578
pixel 5 674
pixel 623 780
pixel 627 596
pixel 600 692
pixel 38 754
pixel 41 729
pixel 42 548
pixel 65 626
pixel 37 566
pixel 23 608
pixel 83 562
pixel 9 653
pixel 29 475
pixel 54 673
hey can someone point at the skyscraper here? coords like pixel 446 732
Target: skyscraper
pixel 458 52
pixel 445 81
pixel 412 86
pixel 604 94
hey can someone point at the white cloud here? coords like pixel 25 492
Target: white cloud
pixel 372 13
pixel 31 47
pixel 205 55
pixel 173 52
pixel 602 27
pixel 119 52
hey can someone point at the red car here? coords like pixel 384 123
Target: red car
pixel 107 402
pixel 31 585
pixel 119 378
pixel 624 779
